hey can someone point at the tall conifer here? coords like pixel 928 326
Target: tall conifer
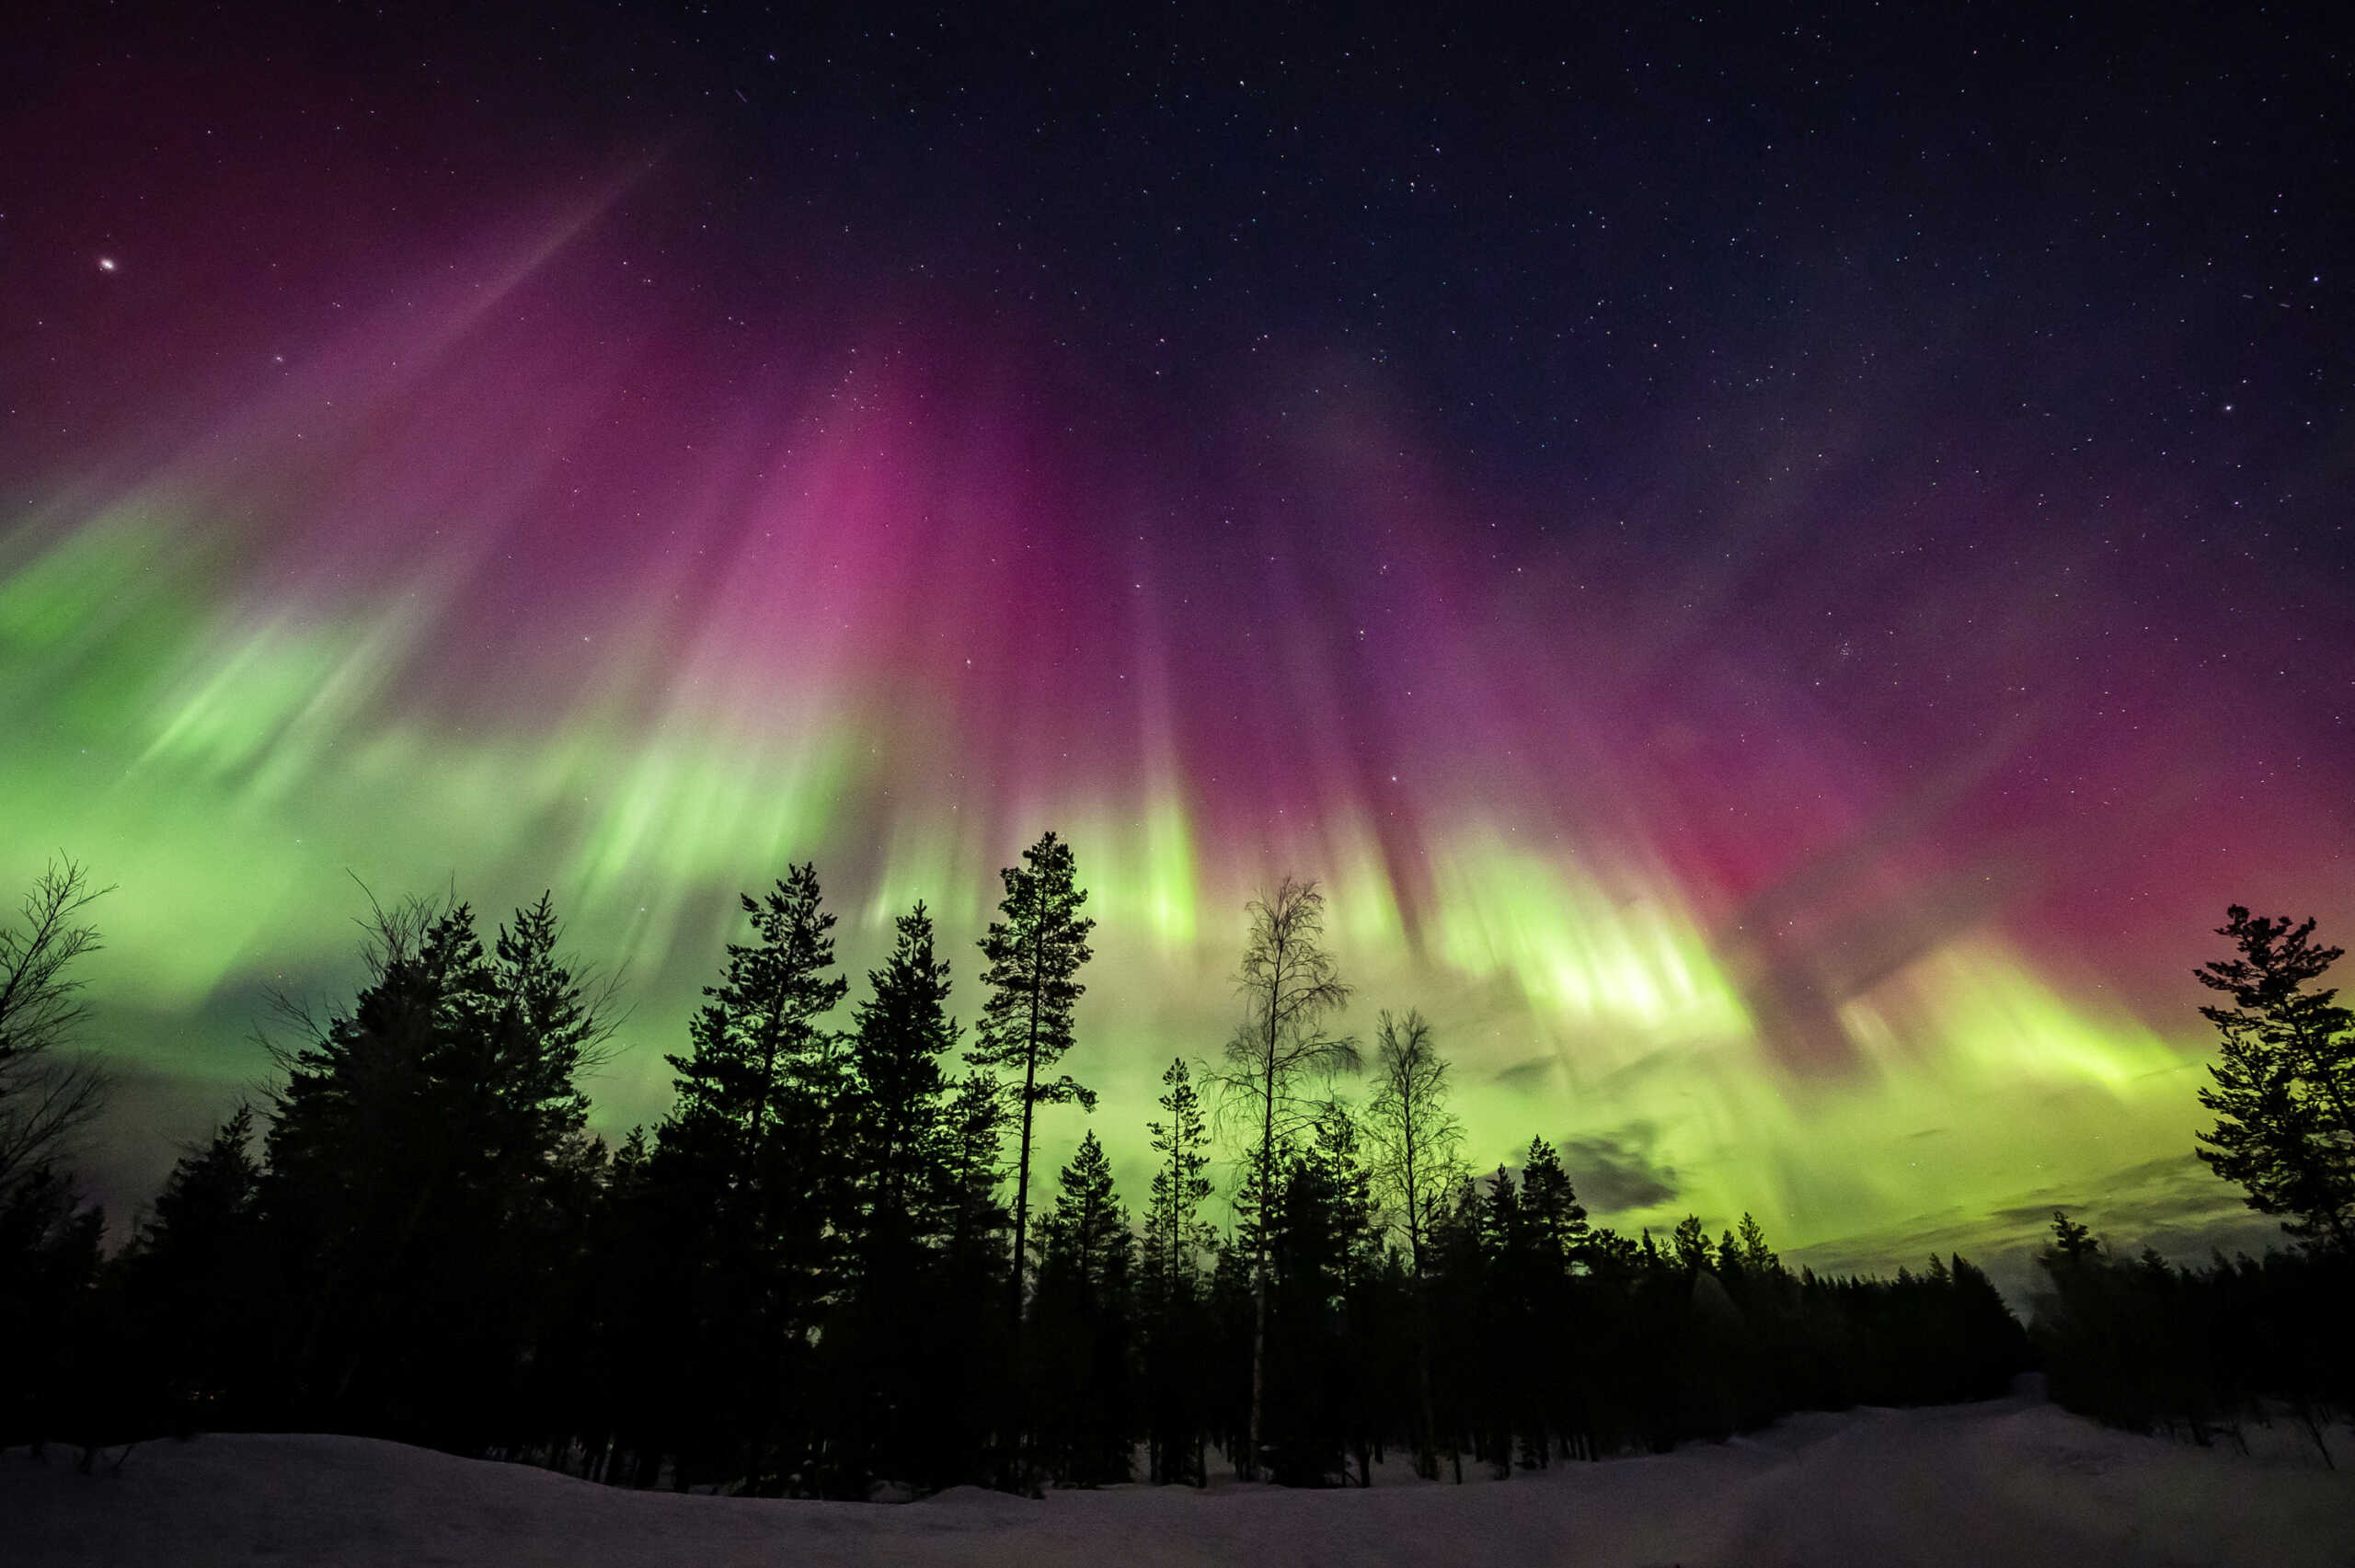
pixel 1035 951
pixel 1176 1237
pixel 747 1178
pixel 2284 1089
pixel 1086 1272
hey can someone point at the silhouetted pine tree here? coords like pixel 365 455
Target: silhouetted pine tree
pixel 896 1087
pixel 1509 1276
pixel 968 1347
pixel 745 1181
pixel 1690 1244
pixel 422 1157
pixel 1326 1269
pixel 1176 1238
pixel 969 1215
pixel 1756 1255
pixel 898 1151
pixel 2284 1092
pixel 1555 1235
pixel 1035 953
pixel 194 1278
pixel 1459 1291
pixel 1082 1318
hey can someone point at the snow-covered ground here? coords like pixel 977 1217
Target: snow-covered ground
pixel 2011 1483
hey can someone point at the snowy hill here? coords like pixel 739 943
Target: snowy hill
pixel 2011 1483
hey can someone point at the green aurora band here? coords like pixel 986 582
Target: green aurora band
pixel 300 650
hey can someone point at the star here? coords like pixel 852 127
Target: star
pixel 106 263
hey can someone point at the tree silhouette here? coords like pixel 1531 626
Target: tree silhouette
pixel 1086 1274
pixel 1755 1253
pixel 423 1151
pixel 901 1033
pixel 1550 1208
pixel 1327 1273
pixel 969 1216
pixel 1289 986
pixel 1690 1244
pixel 757 1053
pixel 897 1151
pixel 1176 1237
pixel 1174 1234
pixel 2284 1090
pixel 1035 953
pixel 1415 1141
pixel 746 1182
pixel 966 1348
pixel 195 1273
pixel 48 1237
pixel 776 1293
pixel 45 1097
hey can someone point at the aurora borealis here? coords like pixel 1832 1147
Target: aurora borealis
pixel 1780 581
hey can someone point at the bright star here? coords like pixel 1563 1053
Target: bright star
pixel 106 263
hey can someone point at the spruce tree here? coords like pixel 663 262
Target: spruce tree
pixel 1690 1245
pixel 1035 953
pixel 1556 1236
pixel 1550 1208
pixel 746 1184
pixel 1756 1255
pixel 1504 1236
pixel 193 1275
pixel 1088 1233
pixel 1458 1288
pixel 2284 1090
pixel 902 1034
pixel 1176 1238
pixel 1327 1270
pixel 418 1152
pixel 968 1213
pixel 966 1346
pixel 1083 1311
pixel 897 1155
pixel 758 1055
pixel 1509 1276
pixel 1174 1234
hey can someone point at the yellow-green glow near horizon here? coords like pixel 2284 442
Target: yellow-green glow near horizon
pixel 321 645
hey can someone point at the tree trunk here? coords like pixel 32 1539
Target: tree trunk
pixel 1021 1202
pixel 1259 1265
pixel 1426 1452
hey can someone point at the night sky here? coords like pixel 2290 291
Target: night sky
pixel 1780 569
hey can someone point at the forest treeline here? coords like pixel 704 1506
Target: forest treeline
pixel 832 1267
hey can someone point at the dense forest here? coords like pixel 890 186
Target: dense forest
pixel 832 1270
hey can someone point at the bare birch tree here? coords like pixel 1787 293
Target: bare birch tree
pixel 1279 1053
pixel 1417 1168
pixel 45 1095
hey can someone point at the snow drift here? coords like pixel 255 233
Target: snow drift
pixel 2010 1482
